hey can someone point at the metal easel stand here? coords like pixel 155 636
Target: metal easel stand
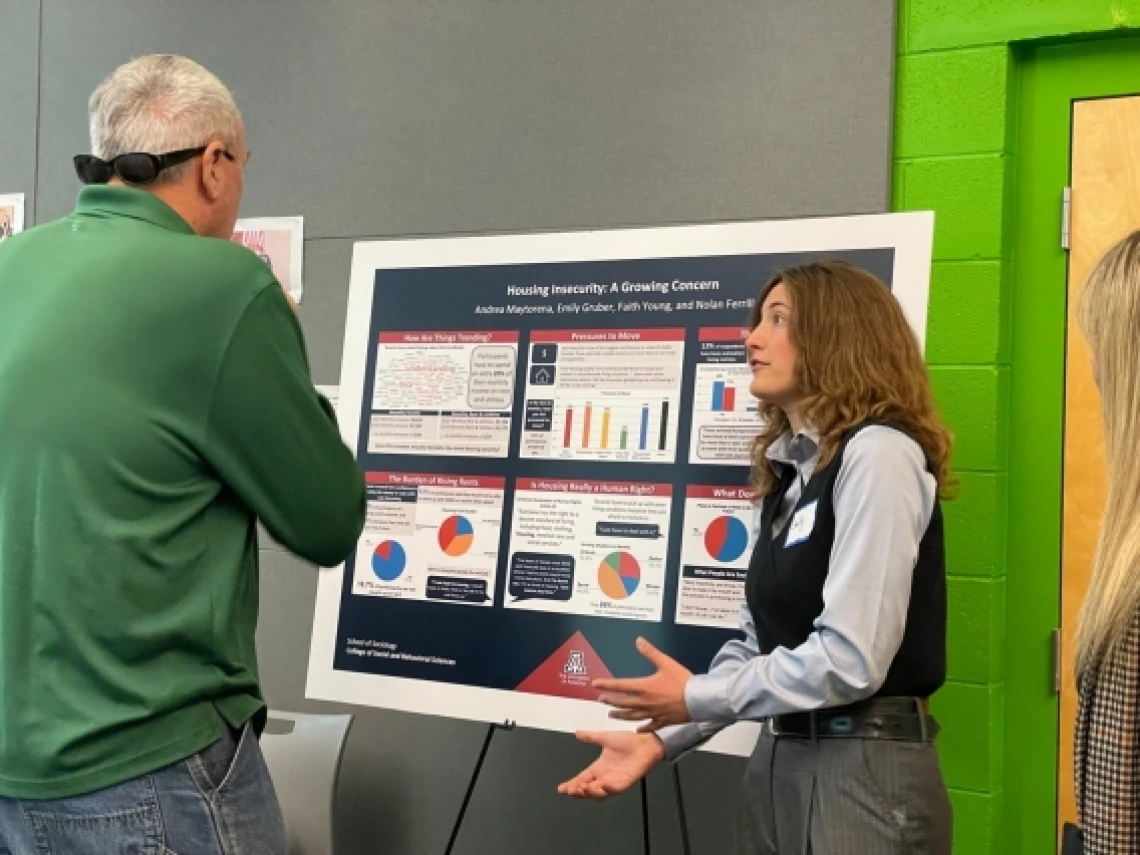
pixel 681 819
pixel 684 823
pixel 491 728
pixel 510 725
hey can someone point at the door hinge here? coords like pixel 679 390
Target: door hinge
pixel 1056 661
pixel 1066 215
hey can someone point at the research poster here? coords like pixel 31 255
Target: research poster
pixel 555 431
pixel 280 243
pixel 11 214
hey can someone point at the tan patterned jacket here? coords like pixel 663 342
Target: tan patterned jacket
pixel 1108 752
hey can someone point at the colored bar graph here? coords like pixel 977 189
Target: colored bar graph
pixel 644 428
pixel 729 399
pixel 623 435
pixel 586 427
pixel 718 396
pixel 606 428
pixel 569 427
pixel 664 425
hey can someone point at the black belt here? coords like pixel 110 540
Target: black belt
pixel 903 719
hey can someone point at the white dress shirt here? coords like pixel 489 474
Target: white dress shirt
pixel 884 498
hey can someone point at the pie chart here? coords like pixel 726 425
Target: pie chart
pixel 456 535
pixel 619 574
pixel 726 538
pixel 388 560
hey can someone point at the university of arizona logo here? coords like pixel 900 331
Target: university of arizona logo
pixel 568 672
pixel 575 664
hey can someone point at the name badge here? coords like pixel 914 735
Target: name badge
pixel 802 524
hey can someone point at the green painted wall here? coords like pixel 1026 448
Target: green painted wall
pixel 958 125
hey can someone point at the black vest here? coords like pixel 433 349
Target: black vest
pixel 785 584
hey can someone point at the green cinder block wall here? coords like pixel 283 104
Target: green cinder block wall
pixel 954 153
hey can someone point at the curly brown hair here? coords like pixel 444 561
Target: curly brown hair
pixel 857 361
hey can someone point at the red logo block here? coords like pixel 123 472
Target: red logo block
pixel 568 672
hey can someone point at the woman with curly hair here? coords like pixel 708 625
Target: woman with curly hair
pixel 845 615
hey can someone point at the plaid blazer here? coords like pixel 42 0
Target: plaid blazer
pixel 1108 752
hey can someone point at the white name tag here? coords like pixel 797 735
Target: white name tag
pixel 802 524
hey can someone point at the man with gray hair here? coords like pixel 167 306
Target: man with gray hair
pixel 155 400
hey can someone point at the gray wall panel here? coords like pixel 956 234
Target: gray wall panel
pixel 19 40
pixel 425 117
pixel 419 117
pixel 325 305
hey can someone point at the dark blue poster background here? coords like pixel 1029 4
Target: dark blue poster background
pixel 495 647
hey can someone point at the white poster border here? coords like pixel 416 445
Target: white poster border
pixel 910 235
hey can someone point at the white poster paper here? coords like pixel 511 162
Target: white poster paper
pixel 555 431
pixel 11 214
pixel 280 243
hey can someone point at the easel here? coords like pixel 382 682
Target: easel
pixel 510 725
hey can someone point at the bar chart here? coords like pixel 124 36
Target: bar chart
pixel 601 427
pixel 725 415
pixel 615 396
pixel 724 389
pixel 620 427
pixel 723 397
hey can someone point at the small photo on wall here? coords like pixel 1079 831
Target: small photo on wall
pixel 279 242
pixel 11 214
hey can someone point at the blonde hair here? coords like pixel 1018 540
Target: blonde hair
pixel 1108 312
pixel 158 104
pixel 857 360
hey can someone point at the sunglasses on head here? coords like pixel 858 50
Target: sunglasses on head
pixel 134 167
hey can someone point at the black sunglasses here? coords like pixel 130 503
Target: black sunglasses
pixel 134 167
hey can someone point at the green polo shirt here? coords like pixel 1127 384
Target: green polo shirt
pixel 155 400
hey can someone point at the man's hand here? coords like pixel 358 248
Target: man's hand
pixel 625 759
pixel 660 697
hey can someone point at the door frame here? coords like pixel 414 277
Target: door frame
pixel 1049 79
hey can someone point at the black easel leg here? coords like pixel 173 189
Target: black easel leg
pixel 470 788
pixel 681 810
pixel 645 816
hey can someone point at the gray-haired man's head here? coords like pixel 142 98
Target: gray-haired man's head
pixel 160 104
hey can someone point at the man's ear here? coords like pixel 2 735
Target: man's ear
pixel 211 170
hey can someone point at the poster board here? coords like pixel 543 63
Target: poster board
pixel 11 214
pixel 554 430
pixel 280 243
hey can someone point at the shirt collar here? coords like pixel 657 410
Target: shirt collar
pixel 115 200
pixel 795 448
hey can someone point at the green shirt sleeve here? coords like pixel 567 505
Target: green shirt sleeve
pixel 274 439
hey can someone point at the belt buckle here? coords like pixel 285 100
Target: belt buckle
pixel 842 725
pixel 773 728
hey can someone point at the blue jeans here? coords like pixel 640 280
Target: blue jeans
pixel 217 802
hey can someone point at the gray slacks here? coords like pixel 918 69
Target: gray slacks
pixel 838 796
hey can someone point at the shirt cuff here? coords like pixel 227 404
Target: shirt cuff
pixel 706 696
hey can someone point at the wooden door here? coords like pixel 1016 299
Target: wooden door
pixel 1105 207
